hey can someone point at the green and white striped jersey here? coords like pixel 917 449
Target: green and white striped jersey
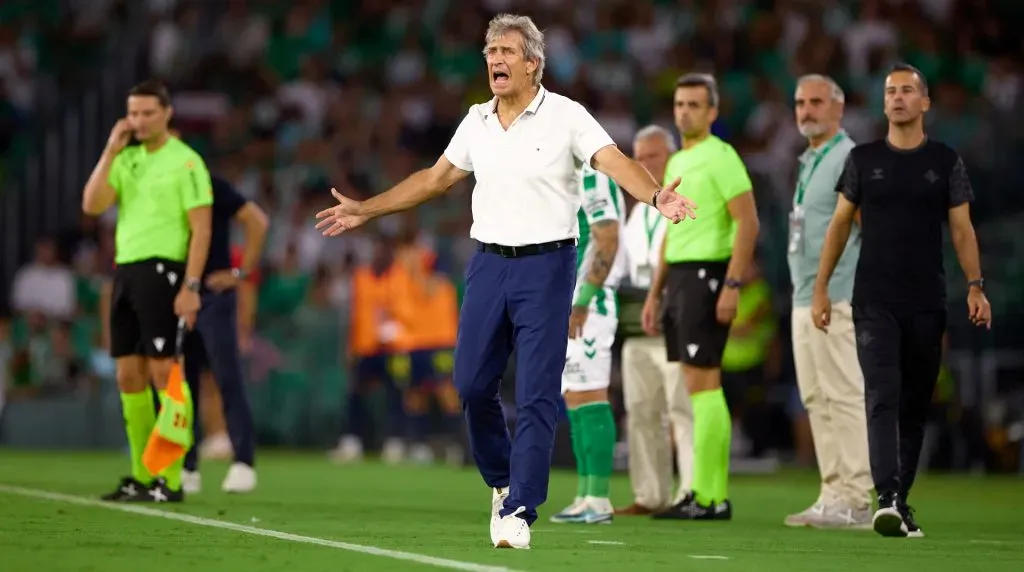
pixel 601 201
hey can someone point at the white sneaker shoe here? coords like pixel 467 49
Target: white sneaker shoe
pixel 349 450
pixel 514 532
pixel 216 447
pixel 393 451
pixel 810 516
pixel 498 497
pixel 241 478
pixel 421 454
pixel 598 510
pixel 191 482
pixel 845 516
pixel 572 513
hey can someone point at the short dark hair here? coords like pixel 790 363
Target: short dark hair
pixel 705 80
pixel 905 67
pixel 153 88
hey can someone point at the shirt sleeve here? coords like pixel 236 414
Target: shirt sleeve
pixel 849 181
pixel 731 176
pixel 225 195
pixel 196 187
pixel 599 201
pixel 458 148
pixel 960 190
pixel 588 137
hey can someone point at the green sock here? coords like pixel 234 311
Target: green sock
pixel 599 436
pixel 172 474
pixel 139 418
pixel 579 450
pixel 712 433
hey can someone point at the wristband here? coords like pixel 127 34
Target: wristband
pixel 587 293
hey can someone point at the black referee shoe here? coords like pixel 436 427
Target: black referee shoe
pixel 128 489
pixel 159 492
pixel 690 509
pixel 888 519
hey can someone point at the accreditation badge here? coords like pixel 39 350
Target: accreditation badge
pixel 796 230
pixel 644 276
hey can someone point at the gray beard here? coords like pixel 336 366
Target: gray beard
pixel 812 129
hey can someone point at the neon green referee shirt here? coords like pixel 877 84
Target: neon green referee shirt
pixel 712 174
pixel 155 191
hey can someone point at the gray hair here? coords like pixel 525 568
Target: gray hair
pixel 834 90
pixel 533 38
pixel 656 131
pixel 705 80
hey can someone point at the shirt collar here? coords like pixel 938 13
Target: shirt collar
pixel 492 107
pixel 810 153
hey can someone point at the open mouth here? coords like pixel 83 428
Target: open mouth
pixel 499 78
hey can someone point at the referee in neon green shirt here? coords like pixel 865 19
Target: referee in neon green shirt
pixel 701 269
pixel 162 191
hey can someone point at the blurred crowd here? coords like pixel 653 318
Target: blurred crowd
pixel 287 99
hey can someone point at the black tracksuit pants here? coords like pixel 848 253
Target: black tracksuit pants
pixel 900 353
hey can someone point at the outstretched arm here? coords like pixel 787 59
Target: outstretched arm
pixel 416 189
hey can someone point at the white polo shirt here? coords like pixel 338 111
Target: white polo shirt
pixel 527 186
pixel 645 231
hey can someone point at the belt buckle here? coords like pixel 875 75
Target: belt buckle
pixel 511 251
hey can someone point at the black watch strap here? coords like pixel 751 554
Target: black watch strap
pixel 980 283
pixel 654 198
pixel 733 283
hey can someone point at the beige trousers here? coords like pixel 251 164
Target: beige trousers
pixel 655 396
pixel 832 391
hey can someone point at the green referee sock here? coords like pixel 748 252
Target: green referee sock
pixel 139 419
pixel 599 436
pixel 712 434
pixel 579 450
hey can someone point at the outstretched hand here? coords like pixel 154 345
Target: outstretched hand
pixel 346 215
pixel 674 206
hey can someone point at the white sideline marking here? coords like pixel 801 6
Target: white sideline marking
pixel 995 542
pixel 610 542
pixel 144 511
pixel 707 557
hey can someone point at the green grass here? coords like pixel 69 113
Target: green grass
pixel 971 523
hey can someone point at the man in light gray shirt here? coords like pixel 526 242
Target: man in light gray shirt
pixel 829 377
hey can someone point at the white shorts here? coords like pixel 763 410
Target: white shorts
pixel 588 358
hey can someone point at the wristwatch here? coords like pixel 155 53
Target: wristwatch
pixel 980 283
pixel 193 284
pixel 733 283
pixel 239 274
pixel 654 198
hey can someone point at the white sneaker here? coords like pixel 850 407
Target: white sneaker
pixel 393 451
pixel 514 532
pixel 889 522
pixel 421 454
pixel 498 496
pixel 349 450
pixel 572 513
pixel 241 478
pixel 809 516
pixel 845 516
pixel 216 447
pixel 191 482
pixel 599 510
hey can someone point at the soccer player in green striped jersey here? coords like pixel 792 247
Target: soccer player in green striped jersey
pixel 600 266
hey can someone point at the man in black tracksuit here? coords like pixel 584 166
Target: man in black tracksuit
pixel 904 186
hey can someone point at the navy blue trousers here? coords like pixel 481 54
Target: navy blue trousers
pixel 522 303
pixel 213 346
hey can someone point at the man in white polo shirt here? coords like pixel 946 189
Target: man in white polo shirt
pixel 525 147
pixel 653 388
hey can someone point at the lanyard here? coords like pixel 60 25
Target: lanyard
pixel 801 181
pixel 649 228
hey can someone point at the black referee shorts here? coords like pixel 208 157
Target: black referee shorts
pixel 693 334
pixel 142 319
